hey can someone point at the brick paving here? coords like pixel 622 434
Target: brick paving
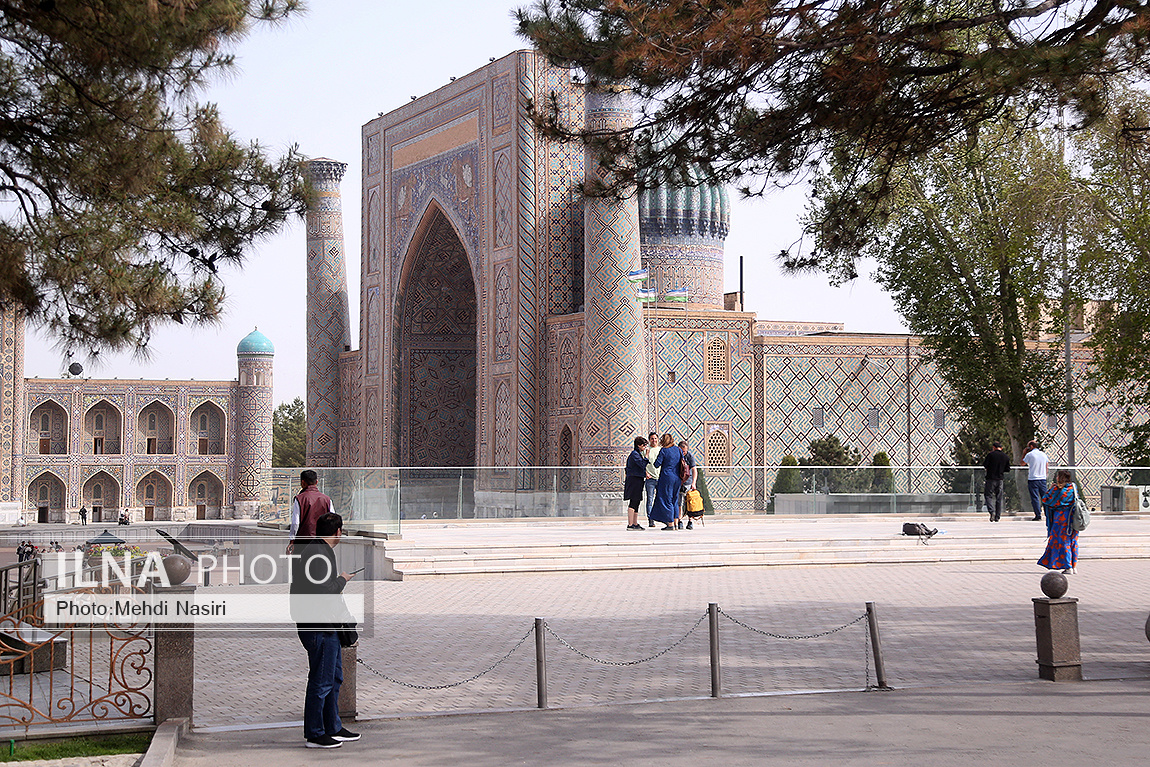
pixel 942 623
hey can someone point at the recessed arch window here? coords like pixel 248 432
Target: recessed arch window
pixel 149 491
pixel 45 422
pixel 201 490
pixel 203 422
pixel 98 422
pixel 718 450
pixel 151 421
pixel 97 492
pixel 43 492
pixel 718 361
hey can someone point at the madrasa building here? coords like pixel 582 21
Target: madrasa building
pixel 169 450
pixel 499 327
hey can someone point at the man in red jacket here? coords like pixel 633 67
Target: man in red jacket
pixel 308 506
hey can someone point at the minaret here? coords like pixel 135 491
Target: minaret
pixel 615 363
pixel 12 404
pixel 327 317
pixel 253 435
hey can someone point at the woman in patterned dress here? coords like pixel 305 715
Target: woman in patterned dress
pixel 1062 545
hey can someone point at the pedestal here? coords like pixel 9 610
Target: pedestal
pixel 175 669
pixel 347 709
pixel 1056 631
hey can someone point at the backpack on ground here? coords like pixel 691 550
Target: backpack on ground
pixel 919 529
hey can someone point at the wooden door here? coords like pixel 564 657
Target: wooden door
pixel 201 511
pixel 42 515
pixel 149 513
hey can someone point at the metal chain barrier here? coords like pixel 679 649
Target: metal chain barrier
pixel 661 653
pixel 738 622
pixel 487 670
pixel 866 658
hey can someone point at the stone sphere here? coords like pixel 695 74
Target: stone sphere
pixel 1054 584
pixel 178 567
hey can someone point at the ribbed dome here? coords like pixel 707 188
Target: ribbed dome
pixel 255 342
pixel 701 211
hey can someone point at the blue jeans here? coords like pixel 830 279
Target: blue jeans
pixel 324 676
pixel 1037 489
pixel 650 485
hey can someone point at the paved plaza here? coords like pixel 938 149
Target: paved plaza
pixel 958 640
pixel 942 624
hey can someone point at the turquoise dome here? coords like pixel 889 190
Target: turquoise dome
pixel 255 342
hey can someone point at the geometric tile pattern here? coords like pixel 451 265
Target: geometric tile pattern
pixel 327 313
pixel 11 401
pixel 502 314
pixel 438 352
pixel 503 191
pixel 253 427
pixel 129 407
pixel 615 373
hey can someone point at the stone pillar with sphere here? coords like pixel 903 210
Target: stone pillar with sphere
pixel 327 312
pixel 615 362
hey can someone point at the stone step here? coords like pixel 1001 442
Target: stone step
pixel 742 553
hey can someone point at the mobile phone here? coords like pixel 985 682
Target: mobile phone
pixel 355 572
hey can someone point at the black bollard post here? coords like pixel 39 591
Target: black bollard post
pixel 540 664
pixel 876 646
pixel 716 669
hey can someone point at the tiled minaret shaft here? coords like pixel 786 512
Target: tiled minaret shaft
pixel 615 373
pixel 327 316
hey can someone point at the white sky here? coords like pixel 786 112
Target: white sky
pixel 313 82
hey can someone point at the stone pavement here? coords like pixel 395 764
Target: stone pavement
pixel 942 624
pixel 1015 723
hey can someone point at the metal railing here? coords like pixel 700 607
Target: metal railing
pixel 385 496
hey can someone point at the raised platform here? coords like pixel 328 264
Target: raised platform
pixel 463 547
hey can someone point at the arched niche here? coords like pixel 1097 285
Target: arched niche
pixel 207 430
pixel 206 495
pixel 154 495
pixel 156 428
pixel 103 429
pixel 48 429
pixel 437 349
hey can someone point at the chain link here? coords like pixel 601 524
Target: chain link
pixel 866 656
pixel 489 669
pixel 738 622
pixel 582 654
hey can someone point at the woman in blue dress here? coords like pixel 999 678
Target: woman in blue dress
pixel 1062 545
pixel 667 494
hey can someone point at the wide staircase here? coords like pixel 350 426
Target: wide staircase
pixel 469 547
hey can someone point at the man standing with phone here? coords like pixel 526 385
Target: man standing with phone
pixel 318 621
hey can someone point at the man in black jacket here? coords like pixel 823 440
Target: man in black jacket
pixel 996 464
pixel 319 611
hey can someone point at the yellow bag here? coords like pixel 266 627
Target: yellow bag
pixel 694 502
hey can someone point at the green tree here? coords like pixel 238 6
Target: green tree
pixel 788 479
pixel 125 196
pixel 830 451
pixel 289 434
pixel 883 481
pixel 762 89
pixel 970 252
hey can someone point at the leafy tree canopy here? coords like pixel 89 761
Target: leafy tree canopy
pixel 123 196
pixel 289 434
pixel 763 88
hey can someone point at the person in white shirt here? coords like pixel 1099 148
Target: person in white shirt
pixel 1036 461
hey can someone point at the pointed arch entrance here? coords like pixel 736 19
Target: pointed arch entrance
pixel 436 308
